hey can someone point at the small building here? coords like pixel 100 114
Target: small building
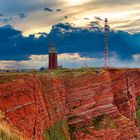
pixel 53 64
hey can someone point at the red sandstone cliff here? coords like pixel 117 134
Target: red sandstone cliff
pixel 96 106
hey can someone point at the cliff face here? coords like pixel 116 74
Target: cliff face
pixel 89 106
pixel 103 106
pixel 32 104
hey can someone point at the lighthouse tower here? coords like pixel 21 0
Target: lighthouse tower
pixel 53 64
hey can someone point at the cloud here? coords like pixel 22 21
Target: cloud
pixel 86 18
pixel 7 32
pixel 43 34
pixel 98 18
pixel 120 42
pixel 111 3
pixel 21 15
pixel 1 15
pixel 66 17
pixel 136 57
pixel 24 47
pixel 73 60
pixel 68 60
pixel 88 41
pixel 48 9
pixel 34 8
pixel 59 10
pixel 5 19
pixel 28 6
pixel 83 43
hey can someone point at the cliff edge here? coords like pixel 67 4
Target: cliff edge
pixel 72 104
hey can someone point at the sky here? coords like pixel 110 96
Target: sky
pixel 32 16
pixel 24 25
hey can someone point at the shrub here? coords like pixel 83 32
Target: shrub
pixel 58 132
pixel 103 122
pixel 72 128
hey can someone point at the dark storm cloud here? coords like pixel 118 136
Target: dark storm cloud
pixel 59 10
pixel 51 10
pixel 93 23
pixel 120 42
pixel 43 33
pixel 48 9
pixel 27 6
pixel 24 47
pixel 8 32
pixel 98 18
pixel 68 39
pixel 1 15
pixel 5 19
pixel 21 15
pixel 66 17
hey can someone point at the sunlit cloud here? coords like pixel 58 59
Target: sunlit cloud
pixel 76 10
pixel 67 60
pixel 37 61
pixel 75 2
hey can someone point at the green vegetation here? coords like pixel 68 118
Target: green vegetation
pixel 6 131
pixel 10 76
pixel 72 72
pixel 7 136
pixel 138 117
pixel 58 132
pixel 103 122
pixel 138 111
pixel 86 131
pixel 138 101
pixel 75 107
pixel 5 79
pixel 71 118
pixel 72 128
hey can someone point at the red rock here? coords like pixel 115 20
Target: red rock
pixel 32 104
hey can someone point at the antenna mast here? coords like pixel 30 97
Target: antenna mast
pixel 106 50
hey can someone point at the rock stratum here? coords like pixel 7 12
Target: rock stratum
pixel 87 105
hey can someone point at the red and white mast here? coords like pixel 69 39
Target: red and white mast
pixel 106 50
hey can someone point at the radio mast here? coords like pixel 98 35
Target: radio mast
pixel 106 50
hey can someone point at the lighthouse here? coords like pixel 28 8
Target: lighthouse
pixel 53 64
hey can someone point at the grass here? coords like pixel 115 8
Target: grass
pixel 138 101
pixel 5 79
pixel 86 131
pixel 72 72
pixel 102 122
pixel 138 117
pixel 138 111
pixel 75 107
pixel 6 132
pixel 72 128
pixel 58 132
pixel 5 135
pixel 58 72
